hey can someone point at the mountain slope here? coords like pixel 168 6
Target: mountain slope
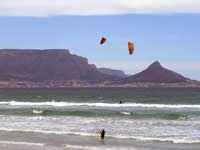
pixel 43 65
pixel 112 72
pixel 155 73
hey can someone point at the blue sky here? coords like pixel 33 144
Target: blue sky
pixel 172 38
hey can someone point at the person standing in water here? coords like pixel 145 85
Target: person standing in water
pixel 102 134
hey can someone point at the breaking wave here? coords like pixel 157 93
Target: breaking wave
pixel 68 104
pixel 138 138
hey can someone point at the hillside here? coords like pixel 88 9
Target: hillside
pixel 112 72
pixel 155 73
pixel 44 65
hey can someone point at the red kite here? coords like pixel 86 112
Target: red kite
pixel 103 40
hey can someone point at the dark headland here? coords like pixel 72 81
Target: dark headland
pixel 55 68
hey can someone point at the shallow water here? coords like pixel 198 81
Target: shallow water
pixel 146 115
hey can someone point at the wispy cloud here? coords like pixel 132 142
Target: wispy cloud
pixel 42 8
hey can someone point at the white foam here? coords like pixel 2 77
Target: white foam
pixel 21 143
pixel 125 113
pixel 161 139
pixel 69 104
pixel 63 145
pixel 43 144
pixel 37 111
pixel 47 132
pixel 139 138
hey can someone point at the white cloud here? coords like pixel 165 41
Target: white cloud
pixel 42 8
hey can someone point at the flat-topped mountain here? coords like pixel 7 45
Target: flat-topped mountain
pixel 53 68
pixel 155 73
pixel 44 65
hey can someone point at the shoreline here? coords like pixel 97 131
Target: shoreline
pixel 40 141
pixel 9 145
pixel 101 87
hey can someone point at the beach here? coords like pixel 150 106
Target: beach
pixel 65 119
pixel 38 141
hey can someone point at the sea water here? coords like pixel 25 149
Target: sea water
pixel 145 115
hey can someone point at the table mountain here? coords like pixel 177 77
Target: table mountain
pixel 50 64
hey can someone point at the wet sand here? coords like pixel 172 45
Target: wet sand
pixel 39 141
pixel 20 146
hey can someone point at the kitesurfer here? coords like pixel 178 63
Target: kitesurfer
pixel 102 134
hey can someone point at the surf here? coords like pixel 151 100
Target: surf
pixel 71 104
pixel 108 137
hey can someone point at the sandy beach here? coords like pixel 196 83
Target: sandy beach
pixel 23 146
pixel 32 146
pixel 38 141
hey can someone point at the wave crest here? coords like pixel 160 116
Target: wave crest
pixel 68 104
pixel 139 138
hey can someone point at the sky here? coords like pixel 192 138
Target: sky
pixel 163 30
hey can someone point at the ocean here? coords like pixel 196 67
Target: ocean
pixel 146 119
